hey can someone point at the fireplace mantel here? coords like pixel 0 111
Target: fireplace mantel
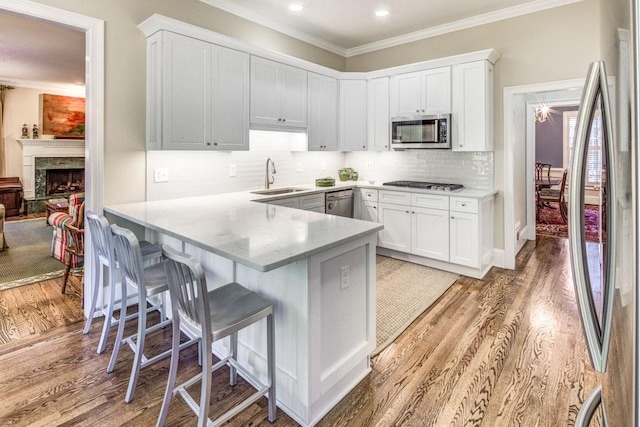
pixel 32 148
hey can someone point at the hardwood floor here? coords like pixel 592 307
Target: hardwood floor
pixel 503 351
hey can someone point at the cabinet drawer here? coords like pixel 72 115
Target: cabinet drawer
pixel 369 195
pixel 311 201
pixel 432 201
pixel 396 197
pixel 463 204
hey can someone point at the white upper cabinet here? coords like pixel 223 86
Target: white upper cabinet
pixel 353 115
pixel 278 94
pixel 472 106
pixel 197 95
pixel 322 112
pixel 423 92
pixel 378 116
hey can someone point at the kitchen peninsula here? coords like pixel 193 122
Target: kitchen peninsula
pixel 318 269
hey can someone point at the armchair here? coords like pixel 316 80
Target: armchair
pixel 59 221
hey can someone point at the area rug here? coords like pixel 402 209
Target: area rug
pixel 28 258
pixel 404 290
pixel 550 223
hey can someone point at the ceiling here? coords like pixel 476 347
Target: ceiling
pixel 38 51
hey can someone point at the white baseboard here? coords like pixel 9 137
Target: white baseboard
pixel 498 258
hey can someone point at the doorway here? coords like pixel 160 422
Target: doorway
pixel 94 108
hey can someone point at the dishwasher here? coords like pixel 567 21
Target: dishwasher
pixel 339 203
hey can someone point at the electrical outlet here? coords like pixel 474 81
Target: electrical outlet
pixel 481 168
pixel 368 165
pixel 161 175
pixel 232 170
pixel 299 167
pixel 344 277
pixel 323 165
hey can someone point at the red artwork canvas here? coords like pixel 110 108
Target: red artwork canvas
pixel 62 116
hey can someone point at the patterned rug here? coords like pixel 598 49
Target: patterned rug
pixel 28 258
pixel 403 291
pixel 550 223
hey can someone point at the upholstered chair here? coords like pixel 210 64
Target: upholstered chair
pixel 59 222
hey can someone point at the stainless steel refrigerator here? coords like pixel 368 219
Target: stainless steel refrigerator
pixel 605 152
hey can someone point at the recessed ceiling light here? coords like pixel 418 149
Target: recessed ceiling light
pixel 382 12
pixel 296 7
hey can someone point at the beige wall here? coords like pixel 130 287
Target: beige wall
pixel 125 74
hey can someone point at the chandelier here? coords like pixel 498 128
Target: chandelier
pixel 541 114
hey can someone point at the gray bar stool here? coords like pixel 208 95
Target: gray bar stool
pixel 149 282
pixel 104 262
pixel 214 314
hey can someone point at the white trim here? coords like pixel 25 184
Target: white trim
pixel 59 88
pixel 509 168
pixel 94 108
pixel 486 18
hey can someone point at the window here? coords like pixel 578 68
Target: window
pixel 594 156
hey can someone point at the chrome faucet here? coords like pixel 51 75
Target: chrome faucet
pixel 268 181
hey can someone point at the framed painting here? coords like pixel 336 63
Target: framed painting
pixel 62 116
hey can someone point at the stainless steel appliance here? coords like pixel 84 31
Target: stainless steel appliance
pixel 605 272
pixel 339 203
pixel 426 185
pixel 421 132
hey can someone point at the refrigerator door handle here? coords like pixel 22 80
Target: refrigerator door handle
pixel 597 337
pixel 589 407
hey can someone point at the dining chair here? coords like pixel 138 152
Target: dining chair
pixel 214 315
pixel 543 171
pixel 552 195
pixel 149 282
pixel 104 263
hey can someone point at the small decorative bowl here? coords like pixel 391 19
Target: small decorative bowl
pixel 345 174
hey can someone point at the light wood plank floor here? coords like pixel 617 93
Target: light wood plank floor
pixel 504 351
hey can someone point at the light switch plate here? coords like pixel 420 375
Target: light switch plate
pixel 368 165
pixel 323 165
pixel 232 170
pixel 161 175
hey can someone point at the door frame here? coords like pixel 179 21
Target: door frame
pixel 94 109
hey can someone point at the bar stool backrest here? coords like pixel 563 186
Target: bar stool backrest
pixel 127 249
pixel 101 238
pixel 188 289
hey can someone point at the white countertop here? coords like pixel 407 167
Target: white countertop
pixel 258 235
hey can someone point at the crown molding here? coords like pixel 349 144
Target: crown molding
pixel 59 88
pixel 462 24
pixel 475 21
pixel 232 8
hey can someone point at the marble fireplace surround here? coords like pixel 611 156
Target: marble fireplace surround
pixel 34 148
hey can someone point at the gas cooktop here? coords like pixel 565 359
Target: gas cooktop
pixel 426 185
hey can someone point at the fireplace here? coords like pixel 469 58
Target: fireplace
pixel 58 177
pixel 61 182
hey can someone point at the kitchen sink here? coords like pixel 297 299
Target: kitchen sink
pixel 275 191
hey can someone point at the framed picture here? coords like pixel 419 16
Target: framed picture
pixel 62 116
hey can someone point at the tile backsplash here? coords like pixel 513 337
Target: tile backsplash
pixel 196 173
pixel 472 169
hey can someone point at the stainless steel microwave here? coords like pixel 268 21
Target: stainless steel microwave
pixel 414 132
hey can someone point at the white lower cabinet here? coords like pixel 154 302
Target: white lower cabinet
pixel 396 234
pixel 430 232
pixel 310 202
pixel 447 232
pixel 368 211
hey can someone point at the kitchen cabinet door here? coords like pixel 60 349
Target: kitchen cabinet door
pixel 464 238
pixel 378 116
pixel 293 97
pixel 353 115
pixel 368 211
pixel 322 113
pixel 230 99
pixel 430 233
pixel 186 96
pixel 406 94
pixel 436 91
pixel 472 106
pixel 278 94
pixel 396 234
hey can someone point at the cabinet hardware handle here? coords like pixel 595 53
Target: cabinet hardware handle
pixel 364 146
pixel 375 207
pixel 453 217
pixel 215 143
pixel 463 204
pixel 279 120
pixel 412 212
pixel 208 143
pixel 284 120
pixel 417 111
pixel 407 211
